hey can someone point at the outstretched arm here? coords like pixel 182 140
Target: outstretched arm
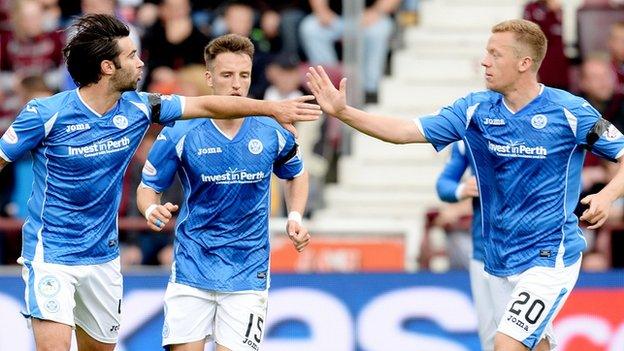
pixel 600 203
pixel 334 102
pixel 226 107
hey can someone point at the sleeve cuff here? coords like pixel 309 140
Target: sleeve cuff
pixel 182 105
pixel 420 127
pixel 145 186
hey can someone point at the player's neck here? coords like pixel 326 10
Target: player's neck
pixel 99 97
pixel 521 95
pixel 229 127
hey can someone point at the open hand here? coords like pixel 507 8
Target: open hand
pixel 332 100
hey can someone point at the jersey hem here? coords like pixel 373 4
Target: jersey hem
pixel 82 262
pixel 216 289
pixel 518 270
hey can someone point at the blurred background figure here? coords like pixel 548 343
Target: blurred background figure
pixel 173 41
pixel 108 7
pixel 32 47
pixel 598 85
pixel 548 14
pixel 616 49
pixel 320 30
pixel 285 78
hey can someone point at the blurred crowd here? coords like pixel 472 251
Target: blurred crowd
pixel 594 71
pixel 171 35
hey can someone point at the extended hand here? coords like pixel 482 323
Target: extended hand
pixel 332 100
pixel 288 111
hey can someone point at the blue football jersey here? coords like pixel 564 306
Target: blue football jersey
pixel 528 167
pixel 79 159
pixel 447 185
pixel 222 233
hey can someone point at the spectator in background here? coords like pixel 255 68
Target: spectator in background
pixel 285 78
pixel 281 19
pixel 5 22
pixel 51 15
pixel 554 70
pixel 173 41
pixel 239 18
pixel 29 49
pixel 598 84
pixel 616 49
pixel 325 26
pixel 106 7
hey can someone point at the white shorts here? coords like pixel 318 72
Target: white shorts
pixel 526 304
pixel 88 296
pixel 234 319
pixel 482 296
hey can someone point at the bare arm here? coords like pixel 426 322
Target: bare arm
pixel 334 102
pixel 600 203
pixel 228 107
pixel 296 193
pixel 157 215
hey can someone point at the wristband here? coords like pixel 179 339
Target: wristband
pixel 295 216
pixel 149 210
pixel 459 190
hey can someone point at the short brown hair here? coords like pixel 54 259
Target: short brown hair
pixel 527 33
pixel 228 43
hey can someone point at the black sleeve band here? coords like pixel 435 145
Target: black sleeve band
pixel 280 161
pixel 154 101
pixel 601 126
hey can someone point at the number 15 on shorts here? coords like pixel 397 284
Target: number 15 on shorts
pixel 253 334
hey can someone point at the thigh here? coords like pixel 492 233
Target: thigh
pixel 51 335
pixel 538 295
pixel 189 315
pixel 98 301
pixel 49 293
pixel 240 319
